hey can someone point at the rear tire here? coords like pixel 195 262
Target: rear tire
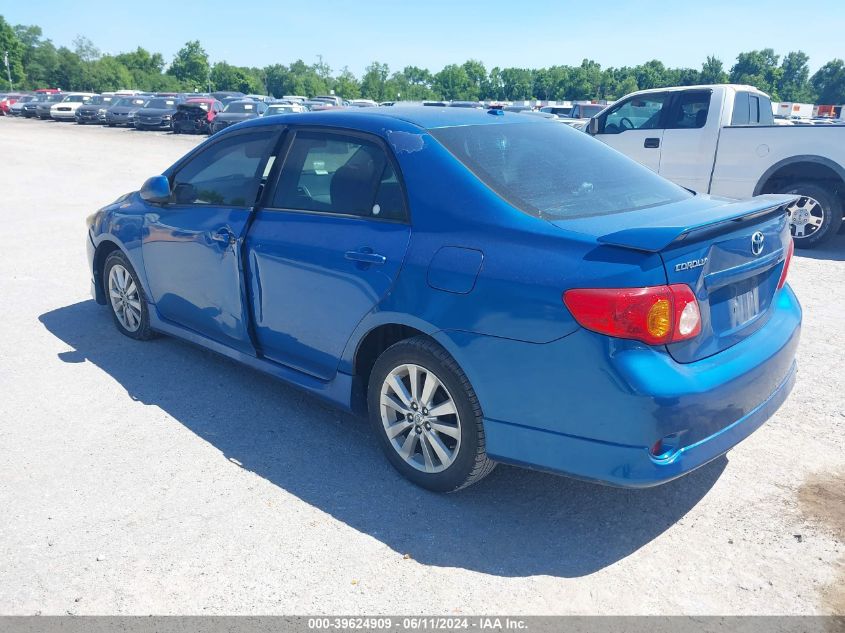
pixel 816 216
pixel 125 297
pixel 432 431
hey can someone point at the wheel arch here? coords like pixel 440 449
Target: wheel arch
pixel 105 248
pixel 803 168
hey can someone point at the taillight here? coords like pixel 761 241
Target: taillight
pixel 655 315
pixel 790 248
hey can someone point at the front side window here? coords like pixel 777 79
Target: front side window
pixel 639 113
pixel 331 173
pixel 228 173
pixel 554 172
pixel 690 111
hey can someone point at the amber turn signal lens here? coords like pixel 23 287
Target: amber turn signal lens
pixel 659 320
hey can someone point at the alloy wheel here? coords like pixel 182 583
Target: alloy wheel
pixel 420 418
pixel 806 217
pixel 125 298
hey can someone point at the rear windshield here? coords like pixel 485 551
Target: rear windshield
pixel 554 172
pixel 161 103
pixel 240 107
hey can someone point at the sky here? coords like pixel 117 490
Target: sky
pixel 433 33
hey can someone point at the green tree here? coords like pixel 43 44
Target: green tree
pixel 190 66
pixel 794 83
pixel 9 43
pixel 477 75
pixel 759 69
pixel 712 71
pixel 453 83
pixel 39 57
pixel 517 83
pixel 71 73
pixel 374 82
pixel 829 83
pixel 107 73
pixel 236 78
pixel 346 85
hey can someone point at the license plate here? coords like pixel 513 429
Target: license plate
pixel 745 306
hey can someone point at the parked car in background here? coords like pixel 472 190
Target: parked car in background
pixel 333 99
pixel 16 109
pixel 123 111
pixel 283 108
pixel 262 98
pixel 223 95
pixel 95 110
pixel 157 113
pixel 295 98
pixel 7 101
pixel 65 110
pixel 319 104
pixel 237 111
pixel 721 140
pixel 561 111
pixel 581 113
pixel 620 372
pixel 363 103
pixel 195 116
pixel 41 107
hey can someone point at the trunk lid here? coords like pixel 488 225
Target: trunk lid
pixel 731 254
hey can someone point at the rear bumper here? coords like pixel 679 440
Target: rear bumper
pixel 592 407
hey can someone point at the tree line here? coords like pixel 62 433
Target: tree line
pixel 35 62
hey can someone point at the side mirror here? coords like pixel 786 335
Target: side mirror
pixel 593 126
pixel 156 189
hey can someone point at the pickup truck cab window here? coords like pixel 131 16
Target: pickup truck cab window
pixel 639 113
pixel 690 110
pixel 752 109
pixel 226 173
pixel 337 174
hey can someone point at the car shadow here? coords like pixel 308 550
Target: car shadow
pixel 514 523
pixel 833 250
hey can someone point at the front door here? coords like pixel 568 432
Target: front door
pixel 191 245
pixel 635 128
pixel 326 249
pixel 690 140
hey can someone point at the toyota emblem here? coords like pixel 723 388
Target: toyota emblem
pixel 757 241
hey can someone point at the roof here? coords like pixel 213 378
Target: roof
pixel 700 87
pixel 399 118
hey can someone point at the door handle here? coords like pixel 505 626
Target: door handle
pixel 365 256
pixel 652 143
pixel 223 235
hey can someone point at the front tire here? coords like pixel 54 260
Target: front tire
pixel 427 416
pixel 126 298
pixel 815 216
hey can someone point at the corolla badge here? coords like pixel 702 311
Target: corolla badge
pixel 695 263
pixel 757 242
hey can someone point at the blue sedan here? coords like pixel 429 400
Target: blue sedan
pixel 487 287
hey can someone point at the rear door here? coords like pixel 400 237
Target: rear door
pixel 635 127
pixel 327 247
pixel 690 139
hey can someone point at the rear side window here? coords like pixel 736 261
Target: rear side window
pixel 553 171
pixel 227 173
pixel 752 109
pixel 690 111
pixel 337 174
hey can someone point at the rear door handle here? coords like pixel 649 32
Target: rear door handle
pixel 365 256
pixel 223 235
pixel 652 143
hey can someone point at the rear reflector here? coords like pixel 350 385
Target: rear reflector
pixel 790 249
pixel 656 315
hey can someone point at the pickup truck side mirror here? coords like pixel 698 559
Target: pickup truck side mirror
pixel 156 189
pixel 593 126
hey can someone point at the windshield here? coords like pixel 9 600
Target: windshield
pixel 197 104
pixel 161 103
pixel 554 172
pixel 589 111
pixel 76 99
pixel 240 107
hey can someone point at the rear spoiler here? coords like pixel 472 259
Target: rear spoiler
pixel 705 222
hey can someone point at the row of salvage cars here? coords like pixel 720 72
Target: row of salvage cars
pixel 181 113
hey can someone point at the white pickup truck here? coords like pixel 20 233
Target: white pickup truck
pixel 722 140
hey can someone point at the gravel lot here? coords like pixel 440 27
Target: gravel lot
pixel 155 477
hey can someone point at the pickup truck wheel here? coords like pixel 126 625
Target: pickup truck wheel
pixel 815 216
pixel 126 298
pixel 427 416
